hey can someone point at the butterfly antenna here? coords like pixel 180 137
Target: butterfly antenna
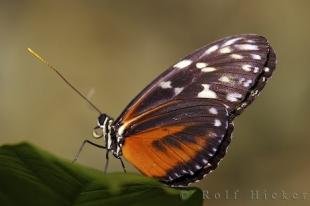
pixel 36 55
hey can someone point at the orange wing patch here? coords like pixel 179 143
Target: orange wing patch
pixel 154 161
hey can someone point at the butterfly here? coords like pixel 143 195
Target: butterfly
pixel 178 128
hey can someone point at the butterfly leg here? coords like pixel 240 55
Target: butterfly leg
pixel 123 165
pixel 107 161
pixel 82 146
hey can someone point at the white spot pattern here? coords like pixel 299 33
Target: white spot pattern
pixel 176 174
pixel 224 79
pixel 256 69
pixel 183 64
pixel 244 104
pixel 241 80
pixel 212 134
pixel 246 47
pixel 256 56
pixel 206 92
pixel 211 49
pixel 225 50
pixel 217 123
pixel 266 69
pixel 208 69
pixel 178 90
pixel 250 41
pixel 254 93
pixel 236 56
pixel 165 85
pixel 247 83
pixel 230 41
pixel 246 67
pixel 233 97
pixel 201 65
pixel 213 110
pixel 198 167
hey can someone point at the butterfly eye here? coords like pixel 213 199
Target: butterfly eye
pixel 97 132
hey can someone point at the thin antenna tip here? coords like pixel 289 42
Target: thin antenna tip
pixel 37 55
pixel 31 51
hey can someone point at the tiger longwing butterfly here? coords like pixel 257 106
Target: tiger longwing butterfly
pixel 179 127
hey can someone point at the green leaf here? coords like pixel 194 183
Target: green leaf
pixel 30 176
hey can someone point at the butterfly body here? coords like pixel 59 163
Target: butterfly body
pixel 179 127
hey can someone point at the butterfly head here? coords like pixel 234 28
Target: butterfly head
pixel 104 129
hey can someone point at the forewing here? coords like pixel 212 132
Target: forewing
pixel 232 70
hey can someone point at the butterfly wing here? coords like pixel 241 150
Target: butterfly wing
pixel 226 76
pixel 235 68
pixel 178 140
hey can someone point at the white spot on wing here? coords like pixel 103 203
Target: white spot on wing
pixel 246 47
pixel 178 90
pixel 201 65
pixel 213 110
pixel 247 83
pixel 206 92
pixel 224 79
pixel 266 69
pixel 246 67
pixel 183 64
pixel 255 92
pixel 233 97
pixel 165 85
pixel 236 56
pixel 211 49
pixel 212 134
pixel 231 41
pixel 226 125
pixel 225 50
pixel 250 41
pixel 256 69
pixel 198 167
pixel 256 56
pixel 241 80
pixel 217 123
pixel 176 174
pixel 208 69
pixel 244 104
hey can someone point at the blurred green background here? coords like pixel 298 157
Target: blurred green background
pixel 111 49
